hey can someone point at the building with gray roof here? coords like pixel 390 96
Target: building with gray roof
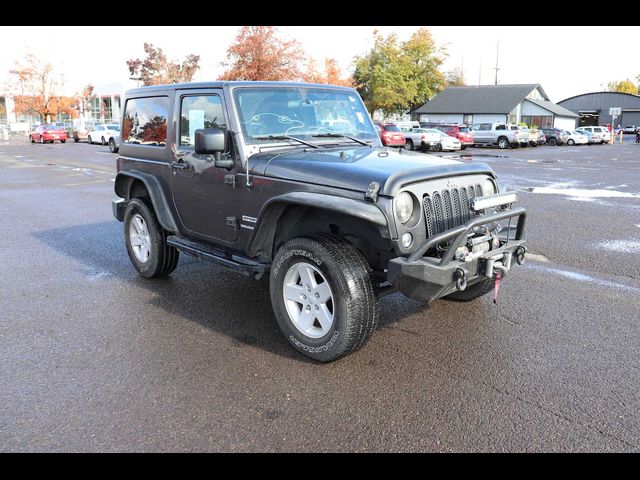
pixel 516 103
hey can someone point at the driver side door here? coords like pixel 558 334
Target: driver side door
pixel 204 195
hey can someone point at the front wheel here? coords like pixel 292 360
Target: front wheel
pixel 552 141
pixel 438 147
pixel 31 138
pixel 503 143
pixel 63 141
pixel 146 241
pixel 102 142
pixel 409 144
pixel 112 146
pixel 322 296
pixel 571 142
pixel 89 140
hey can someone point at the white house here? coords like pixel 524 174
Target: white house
pixel 526 103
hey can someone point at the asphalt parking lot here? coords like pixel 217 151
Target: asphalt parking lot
pixel 95 358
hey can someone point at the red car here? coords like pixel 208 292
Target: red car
pixel 390 134
pixel 461 132
pixel 48 133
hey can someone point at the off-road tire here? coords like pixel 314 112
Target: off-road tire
pixel 163 258
pixel 355 307
pixel 473 291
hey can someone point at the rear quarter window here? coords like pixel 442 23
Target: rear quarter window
pixel 145 121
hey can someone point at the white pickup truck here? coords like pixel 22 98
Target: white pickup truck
pixel 420 138
pixel 503 135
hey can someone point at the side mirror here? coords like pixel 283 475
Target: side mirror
pixel 209 141
pixel 212 141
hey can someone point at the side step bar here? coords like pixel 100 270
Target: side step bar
pixel 238 263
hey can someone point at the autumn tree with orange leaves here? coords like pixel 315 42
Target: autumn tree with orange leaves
pixel 331 75
pixel 157 69
pixel 39 88
pixel 259 54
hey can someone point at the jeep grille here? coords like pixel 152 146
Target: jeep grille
pixel 449 208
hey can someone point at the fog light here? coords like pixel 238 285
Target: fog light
pixel 406 240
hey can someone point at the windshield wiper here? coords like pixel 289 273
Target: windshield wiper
pixel 341 135
pixel 283 137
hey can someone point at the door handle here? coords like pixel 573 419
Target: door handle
pixel 179 165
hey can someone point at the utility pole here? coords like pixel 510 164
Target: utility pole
pixel 497 53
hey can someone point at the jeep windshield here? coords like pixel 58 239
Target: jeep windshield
pixel 299 115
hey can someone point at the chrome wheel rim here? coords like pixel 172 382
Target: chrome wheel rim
pixel 308 299
pixel 139 238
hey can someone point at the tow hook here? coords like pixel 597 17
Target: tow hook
pixel 519 254
pixel 460 277
pixel 502 269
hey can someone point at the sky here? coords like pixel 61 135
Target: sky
pixel 566 61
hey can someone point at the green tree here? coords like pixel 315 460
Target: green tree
pixel 425 60
pixel 623 86
pixel 157 69
pixel 395 76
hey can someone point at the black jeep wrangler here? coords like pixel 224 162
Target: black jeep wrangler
pixel 290 180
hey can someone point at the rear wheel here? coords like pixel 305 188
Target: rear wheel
pixel 146 241
pixel 112 146
pixel 102 142
pixel 62 141
pixel 438 147
pixel 503 142
pixel 463 147
pixel 408 144
pixel 322 296
pixel 552 141
pixel 571 142
pixel 31 138
pixel 41 139
pixel 89 140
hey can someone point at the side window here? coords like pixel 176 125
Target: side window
pixel 202 111
pixel 145 121
pixel 501 127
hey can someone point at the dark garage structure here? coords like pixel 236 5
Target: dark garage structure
pixel 593 108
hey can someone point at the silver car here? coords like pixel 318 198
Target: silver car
pixel 114 143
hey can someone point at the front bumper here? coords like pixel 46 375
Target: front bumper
pixel 428 278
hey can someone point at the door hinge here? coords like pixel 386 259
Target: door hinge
pixel 232 222
pixel 230 179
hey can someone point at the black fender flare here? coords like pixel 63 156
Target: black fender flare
pixel 267 221
pixel 160 203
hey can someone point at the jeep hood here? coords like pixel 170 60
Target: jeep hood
pixel 354 168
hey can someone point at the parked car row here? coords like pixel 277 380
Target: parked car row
pixel 104 134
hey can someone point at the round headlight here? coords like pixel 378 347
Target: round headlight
pixel 488 187
pixel 403 206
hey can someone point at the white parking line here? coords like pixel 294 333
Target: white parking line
pixel 581 277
